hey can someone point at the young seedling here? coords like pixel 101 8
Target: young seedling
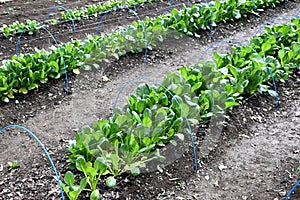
pixel 12 166
pixel 92 173
pixel 72 191
pixel 111 182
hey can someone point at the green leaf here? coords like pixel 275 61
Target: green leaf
pixel 236 13
pixel 207 115
pixel 272 93
pixel 142 90
pixel 96 66
pixel 233 71
pixel 140 106
pixel 99 165
pixel 132 101
pixel 2 89
pixel 23 90
pixel 230 104
pixel 146 141
pixel 115 159
pixel 163 100
pixel 296 48
pixel 135 171
pixel 173 142
pixel 180 136
pixel 11 96
pixel 54 64
pixel 5 99
pixel 130 38
pixel 265 47
pixel 95 195
pixel 178 90
pixel 147 121
pixel 196 86
pixel 115 55
pixel 55 75
pixel 224 70
pixel 298 170
pixel 136 117
pixel 81 164
pixel 111 182
pixel 69 178
pixel 33 86
pixel 121 119
pixel 83 183
pixel 147 149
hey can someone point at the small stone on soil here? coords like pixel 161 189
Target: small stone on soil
pixel 221 167
pixel 282 193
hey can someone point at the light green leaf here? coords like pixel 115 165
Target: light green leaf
pixel 95 195
pixel 111 182
pixel 5 99
pixel 265 47
pixel 69 178
pixel 230 104
pixel 81 164
pixel 23 90
pixel 135 171
pixel 180 136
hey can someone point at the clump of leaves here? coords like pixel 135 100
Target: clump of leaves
pixel 91 171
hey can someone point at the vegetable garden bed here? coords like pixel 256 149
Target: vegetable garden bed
pixel 147 185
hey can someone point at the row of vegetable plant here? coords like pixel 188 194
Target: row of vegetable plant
pixel 31 26
pixel 95 10
pixel 154 115
pixel 27 71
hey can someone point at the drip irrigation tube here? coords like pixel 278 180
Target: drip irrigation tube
pixel 44 149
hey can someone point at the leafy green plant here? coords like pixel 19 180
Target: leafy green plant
pixel 120 159
pixel 242 72
pixel 92 171
pixel 12 166
pixel 73 191
pixel 153 116
pixel 17 27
